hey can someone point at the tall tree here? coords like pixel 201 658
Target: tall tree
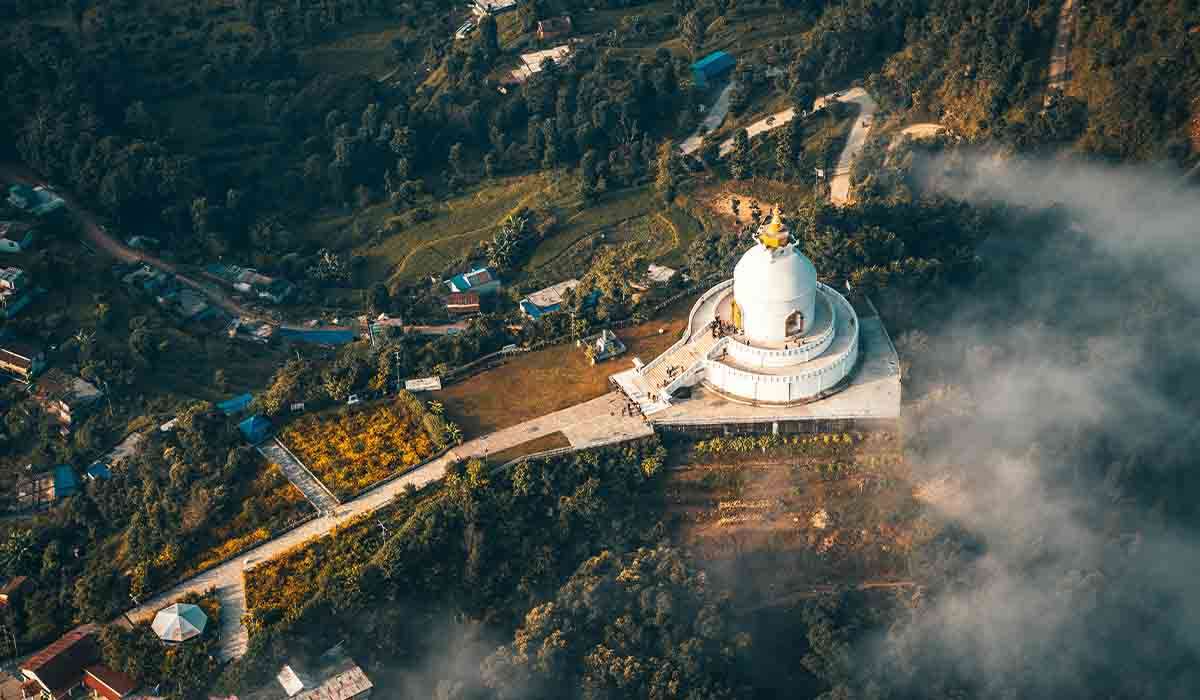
pixel 664 179
pixel 691 28
pixel 739 159
pixel 489 37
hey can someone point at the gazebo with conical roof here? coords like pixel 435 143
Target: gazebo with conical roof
pixel 179 622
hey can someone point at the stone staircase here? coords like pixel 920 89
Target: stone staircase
pixel 316 492
pixel 234 636
pixel 657 374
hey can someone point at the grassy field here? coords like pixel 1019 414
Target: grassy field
pixel 632 215
pixel 544 381
pixel 549 441
pixel 458 224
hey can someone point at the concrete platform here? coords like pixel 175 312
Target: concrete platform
pixel 873 393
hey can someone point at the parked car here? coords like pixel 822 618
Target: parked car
pixel 353 399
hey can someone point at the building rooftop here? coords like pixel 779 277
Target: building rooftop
pixel 18 353
pixel 531 63
pixel 11 277
pixel 659 274
pixel 57 385
pixel 332 676
pixel 65 481
pixel 552 295
pixel 715 60
pixel 109 683
pixel 471 279
pixel 59 667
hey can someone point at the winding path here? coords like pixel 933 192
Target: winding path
pixel 839 184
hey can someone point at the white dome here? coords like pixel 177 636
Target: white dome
pixel 774 288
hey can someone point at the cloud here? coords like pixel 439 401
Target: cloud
pixel 1071 357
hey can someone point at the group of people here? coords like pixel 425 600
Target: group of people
pixel 720 328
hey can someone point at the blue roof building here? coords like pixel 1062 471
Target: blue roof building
pixel 712 67
pixel 255 429
pixel 480 280
pixel 237 404
pixel 550 299
pixel 98 471
pixel 65 482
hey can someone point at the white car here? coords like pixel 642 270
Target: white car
pixel 353 399
pixel 465 30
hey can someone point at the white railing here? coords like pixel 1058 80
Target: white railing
pixel 689 331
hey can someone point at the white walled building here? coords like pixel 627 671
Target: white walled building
pixel 771 336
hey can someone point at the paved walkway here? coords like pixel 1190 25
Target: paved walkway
pixel 588 424
pixel 316 493
pixel 712 120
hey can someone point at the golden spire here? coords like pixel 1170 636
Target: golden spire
pixel 773 234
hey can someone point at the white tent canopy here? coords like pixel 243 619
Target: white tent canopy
pixel 179 622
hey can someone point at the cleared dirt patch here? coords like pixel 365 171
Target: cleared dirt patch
pixel 830 514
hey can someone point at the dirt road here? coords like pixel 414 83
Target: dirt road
pixel 99 238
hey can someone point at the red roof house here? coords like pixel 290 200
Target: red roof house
pixel 108 683
pixel 58 669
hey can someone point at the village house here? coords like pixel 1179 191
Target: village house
pixel 553 28
pixel 21 359
pixel 11 591
pixel 532 63
pixel 15 293
pixel 492 7
pixel 459 303
pixel 36 492
pixel 15 236
pixel 72 663
pixel 65 398
pixel 259 332
pixel 547 300
pixel 481 280
pixel 250 281
pixel 334 676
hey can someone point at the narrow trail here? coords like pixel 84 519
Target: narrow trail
pixel 1060 69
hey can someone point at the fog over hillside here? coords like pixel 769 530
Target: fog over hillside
pixel 1061 419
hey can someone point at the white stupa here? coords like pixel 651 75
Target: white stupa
pixel 772 335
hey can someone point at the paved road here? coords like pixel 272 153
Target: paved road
pixel 316 493
pixel 588 424
pixel 712 120
pixel 839 186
